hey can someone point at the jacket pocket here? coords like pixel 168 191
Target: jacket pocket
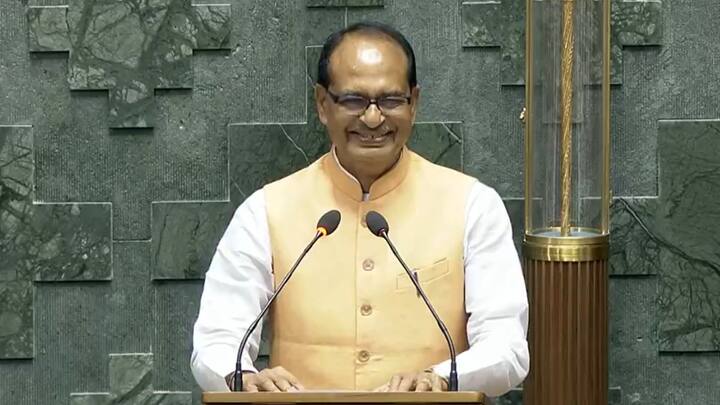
pixel 425 275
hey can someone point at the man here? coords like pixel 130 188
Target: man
pixel 350 318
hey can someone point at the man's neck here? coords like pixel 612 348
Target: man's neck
pixel 366 179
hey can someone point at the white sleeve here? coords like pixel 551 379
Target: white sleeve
pixel 237 285
pixel 496 299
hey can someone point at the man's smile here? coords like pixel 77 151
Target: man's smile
pixel 371 139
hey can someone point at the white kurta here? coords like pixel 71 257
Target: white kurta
pixel 239 283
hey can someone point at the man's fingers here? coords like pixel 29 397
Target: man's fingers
pixel 423 384
pixel 269 386
pixel 382 388
pixel 291 379
pixel 394 383
pixel 437 383
pixel 265 383
pixel 283 384
pixel 418 382
pixel 271 380
pixel 407 383
pixel 282 379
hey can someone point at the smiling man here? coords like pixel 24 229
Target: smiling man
pixel 350 318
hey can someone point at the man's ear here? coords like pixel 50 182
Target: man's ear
pixel 320 97
pixel 414 99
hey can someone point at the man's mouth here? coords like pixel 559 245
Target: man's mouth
pixel 371 138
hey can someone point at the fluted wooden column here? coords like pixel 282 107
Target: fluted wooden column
pixel 567 333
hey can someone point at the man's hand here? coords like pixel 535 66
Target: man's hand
pixel 420 381
pixel 275 379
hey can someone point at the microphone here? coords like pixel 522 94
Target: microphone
pixel 327 224
pixel 379 227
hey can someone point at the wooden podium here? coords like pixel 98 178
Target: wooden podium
pixel 344 397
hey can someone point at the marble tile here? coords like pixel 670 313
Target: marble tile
pixel 674 236
pixel 16 320
pixel 345 3
pixel 72 242
pixel 184 237
pixel 505 169
pixel 131 374
pixel 176 307
pixel 688 212
pixel 634 243
pixel 184 158
pixel 636 108
pixel 129 50
pixel 131 294
pixel 497 24
pixel 78 324
pixel 260 154
pixel 516 211
pixel 16 195
pixel 48 30
pixel 18 382
pixel 439 142
pixel 73 160
pixel 634 23
pixel 40 242
pixel 684 90
pixel 633 363
pixel 263 153
pixel 212 25
pixel 131 382
pixel 263 81
pixel 501 23
pixel 689 378
pixel 94 398
pixel 171 398
pixel 515 397
pixel 48 242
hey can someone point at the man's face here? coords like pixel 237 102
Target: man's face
pixel 373 67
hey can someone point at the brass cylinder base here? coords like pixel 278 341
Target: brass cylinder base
pixel 568 332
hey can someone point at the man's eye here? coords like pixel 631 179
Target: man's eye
pixel 353 103
pixel 392 102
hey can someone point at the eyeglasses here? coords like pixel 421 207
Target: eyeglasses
pixel 356 105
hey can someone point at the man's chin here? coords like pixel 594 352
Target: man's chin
pixel 373 154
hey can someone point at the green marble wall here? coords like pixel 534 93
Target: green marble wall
pixel 130 130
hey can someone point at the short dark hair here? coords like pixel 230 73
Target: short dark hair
pixel 373 28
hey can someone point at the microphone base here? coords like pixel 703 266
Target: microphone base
pixel 237 381
pixel 453 380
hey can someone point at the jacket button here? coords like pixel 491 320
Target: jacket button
pixel 366 309
pixel 363 356
pixel 368 264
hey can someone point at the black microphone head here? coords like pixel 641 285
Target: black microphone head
pixel 329 222
pixel 376 223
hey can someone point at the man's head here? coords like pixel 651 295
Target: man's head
pixel 367 62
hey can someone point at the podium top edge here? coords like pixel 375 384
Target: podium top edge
pixel 340 397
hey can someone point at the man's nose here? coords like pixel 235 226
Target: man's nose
pixel 372 117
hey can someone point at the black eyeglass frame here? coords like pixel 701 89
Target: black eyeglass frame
pixel 336 98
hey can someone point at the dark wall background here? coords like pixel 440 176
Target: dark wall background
pixel 127 142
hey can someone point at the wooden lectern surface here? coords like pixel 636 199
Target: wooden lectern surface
pixel 344 397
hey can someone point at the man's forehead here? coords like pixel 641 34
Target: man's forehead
pixel 365 51
pixel 370 55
